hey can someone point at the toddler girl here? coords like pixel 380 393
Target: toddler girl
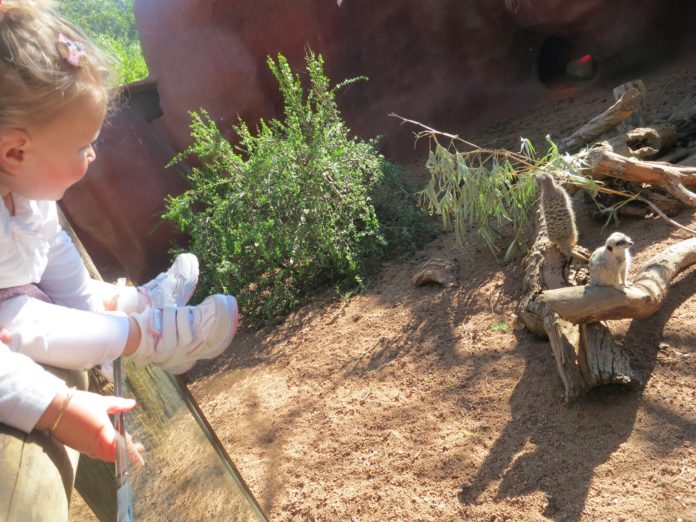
pixel 54 96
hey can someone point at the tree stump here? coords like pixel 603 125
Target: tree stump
pixel 436 271
pixel 644 142
pixel 586 355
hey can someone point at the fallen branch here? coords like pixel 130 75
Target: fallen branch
pixel 586 355
pixel 664 216
pixel 644 142
pixel 596 303
pixel 610 118
pixel 674 180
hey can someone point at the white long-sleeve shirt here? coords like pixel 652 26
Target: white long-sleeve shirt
pixel 26 390
pixel 35 249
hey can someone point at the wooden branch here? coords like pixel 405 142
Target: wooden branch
pixel 636 119
pixel 564 339
pixel 602 361
pixel 674 180
pixel 610 118
pixel 586 355
pixel 645 142
pixel 596 303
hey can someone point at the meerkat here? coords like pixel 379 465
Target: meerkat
pixel 559 218
pixel 609 264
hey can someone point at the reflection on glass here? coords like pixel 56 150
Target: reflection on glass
pixel 187 475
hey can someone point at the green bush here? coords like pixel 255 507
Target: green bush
pixel 404 224
pixel 286 210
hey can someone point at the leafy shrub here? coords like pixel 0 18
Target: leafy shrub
pixel 286 210
pixel 404 224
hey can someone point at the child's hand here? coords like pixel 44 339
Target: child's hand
pixel 86 427
pixel 4 336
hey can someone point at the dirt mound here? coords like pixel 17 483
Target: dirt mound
pixel 433 403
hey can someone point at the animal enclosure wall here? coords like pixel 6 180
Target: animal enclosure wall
pixel 456 65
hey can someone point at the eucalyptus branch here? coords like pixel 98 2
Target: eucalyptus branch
pixel 479 188
pixel 483 154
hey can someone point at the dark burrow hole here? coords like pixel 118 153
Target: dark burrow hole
pixel 560 62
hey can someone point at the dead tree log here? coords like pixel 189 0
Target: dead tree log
pixel 610 118
pixel 602 162
pixel 586 355
pixel 643 298
pixel 644 142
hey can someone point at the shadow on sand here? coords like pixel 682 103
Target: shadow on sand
pixel 555 449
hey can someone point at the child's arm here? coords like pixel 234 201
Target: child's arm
pixel 80 420
pixel 32 398
pixel 64 277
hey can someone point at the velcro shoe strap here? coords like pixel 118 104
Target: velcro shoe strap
pixel 177 334
pixel 184 327
pixel 170 337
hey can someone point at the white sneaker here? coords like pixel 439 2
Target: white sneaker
pixel 175 338
pixel 173 287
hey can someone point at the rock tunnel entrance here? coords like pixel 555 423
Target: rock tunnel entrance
pixel 560 62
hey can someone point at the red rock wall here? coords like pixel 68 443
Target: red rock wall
pixel 454 64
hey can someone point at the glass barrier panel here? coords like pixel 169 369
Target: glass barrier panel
pixel 187 474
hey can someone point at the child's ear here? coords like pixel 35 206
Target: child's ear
pixel 13 145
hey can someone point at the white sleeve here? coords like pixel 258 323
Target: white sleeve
pixel 66 279
pixel 26 390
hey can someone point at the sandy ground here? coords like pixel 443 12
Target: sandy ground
pixel 435 404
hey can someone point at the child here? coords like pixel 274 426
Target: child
pixel 53 100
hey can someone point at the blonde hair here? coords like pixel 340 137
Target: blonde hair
pixel 36 81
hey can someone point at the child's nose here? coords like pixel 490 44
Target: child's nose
pixel 91 154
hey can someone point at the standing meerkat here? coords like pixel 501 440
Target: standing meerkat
pixel 559 218
pixel 609 263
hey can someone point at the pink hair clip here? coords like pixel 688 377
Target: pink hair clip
pixel 72 51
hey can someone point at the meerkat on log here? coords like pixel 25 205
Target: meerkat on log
pixel 559 218
pixel 609 264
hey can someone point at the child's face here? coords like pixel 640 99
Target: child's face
pixel 57 154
